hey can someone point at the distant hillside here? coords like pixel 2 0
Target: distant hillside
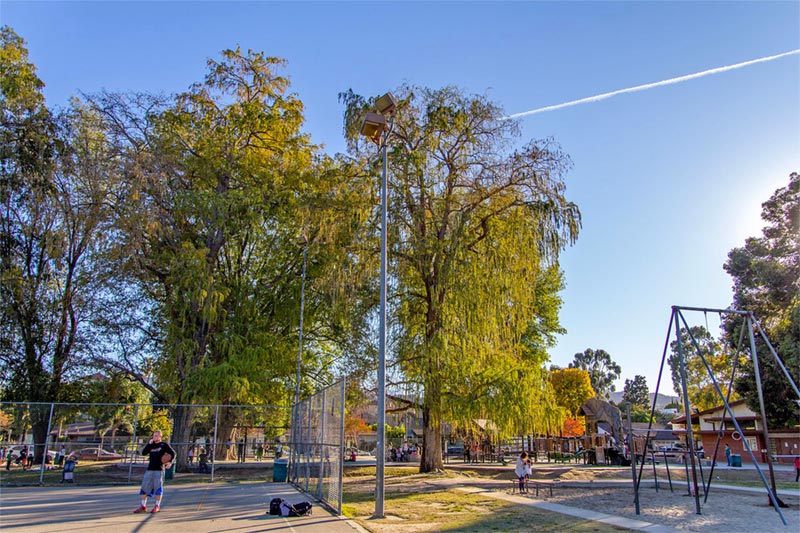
pixel 663 399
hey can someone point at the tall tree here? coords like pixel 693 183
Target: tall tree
pixel 702 393
pixel 53 229
pixel 572 388
pixel 220 185
pixel 766 281
pixel 603 371
pixel 636 392
pixel 475 230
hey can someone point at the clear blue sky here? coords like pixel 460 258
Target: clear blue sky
pixel 668 180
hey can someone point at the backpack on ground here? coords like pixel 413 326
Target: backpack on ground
pixel 300 509
pixel 275 506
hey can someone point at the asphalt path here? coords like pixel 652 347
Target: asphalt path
pixel 196 508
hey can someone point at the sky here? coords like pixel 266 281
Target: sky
pixel 668 179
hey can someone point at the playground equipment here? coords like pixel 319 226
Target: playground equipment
pixel 750 324
pixel 604 425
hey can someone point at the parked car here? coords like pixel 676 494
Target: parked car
pixel 455 450
pixel 94 454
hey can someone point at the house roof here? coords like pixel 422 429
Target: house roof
pixel 485 424
pixel 696 415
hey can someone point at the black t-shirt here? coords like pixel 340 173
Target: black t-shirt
pixel 156 452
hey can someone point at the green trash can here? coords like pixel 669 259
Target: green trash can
pixel 736 459
pixel 280 470
pixel 169 472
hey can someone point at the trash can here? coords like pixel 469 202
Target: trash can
pixel 736 459
pixel 169 472
pixel 280 470
pixel 68 474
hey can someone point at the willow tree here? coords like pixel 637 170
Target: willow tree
pixel 475 229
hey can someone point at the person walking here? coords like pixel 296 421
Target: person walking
pixel 797 469
pixel 521 470
pixel 191 455
pixel 160 454
pixel 241 449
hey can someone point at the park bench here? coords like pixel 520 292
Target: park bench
pixel 536 484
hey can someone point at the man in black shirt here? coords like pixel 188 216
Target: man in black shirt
pixel 160 454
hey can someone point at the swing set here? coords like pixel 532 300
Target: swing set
pixel 749 326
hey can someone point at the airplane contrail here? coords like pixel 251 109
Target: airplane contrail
pixel 670 81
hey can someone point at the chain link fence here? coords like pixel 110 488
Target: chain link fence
pixel 317 444
pixel 105 440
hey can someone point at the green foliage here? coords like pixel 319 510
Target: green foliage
pixel 636 392
pixel 602 370
pixel 572 388
pixel 476 227
pixel 54 200
pixel 702 393
pixel 640 413
pixel 766 276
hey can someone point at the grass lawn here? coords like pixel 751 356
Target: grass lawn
pixel 413 505
pixel 455 511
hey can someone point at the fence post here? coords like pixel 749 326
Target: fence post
pixel 46 440
pixel 133 448
pixel 292 478
pixel 308 447
pixel 323 450
pixel 214 443
pixel 341 448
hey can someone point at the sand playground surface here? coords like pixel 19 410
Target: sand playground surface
pixel 724 511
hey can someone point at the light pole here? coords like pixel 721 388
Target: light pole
pixel 376 128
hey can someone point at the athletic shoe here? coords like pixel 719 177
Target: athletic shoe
pixel 140 509
pixel 156 509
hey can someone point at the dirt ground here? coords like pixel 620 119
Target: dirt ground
pixel 724 511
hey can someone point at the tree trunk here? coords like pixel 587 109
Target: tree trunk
pixel 39 425
pixel 227 434
pixel 431 460
pixel 181 431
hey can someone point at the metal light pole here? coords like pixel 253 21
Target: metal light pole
pixel 381 455
pixel 375 128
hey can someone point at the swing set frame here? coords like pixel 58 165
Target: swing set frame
pixel 750 325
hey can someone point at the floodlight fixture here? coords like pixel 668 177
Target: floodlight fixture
pixel 373 126
pixel 386 104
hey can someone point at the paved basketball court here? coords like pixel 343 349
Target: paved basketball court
pixel 195 508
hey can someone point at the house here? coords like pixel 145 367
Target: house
pixel 660 435
pixel 714 423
